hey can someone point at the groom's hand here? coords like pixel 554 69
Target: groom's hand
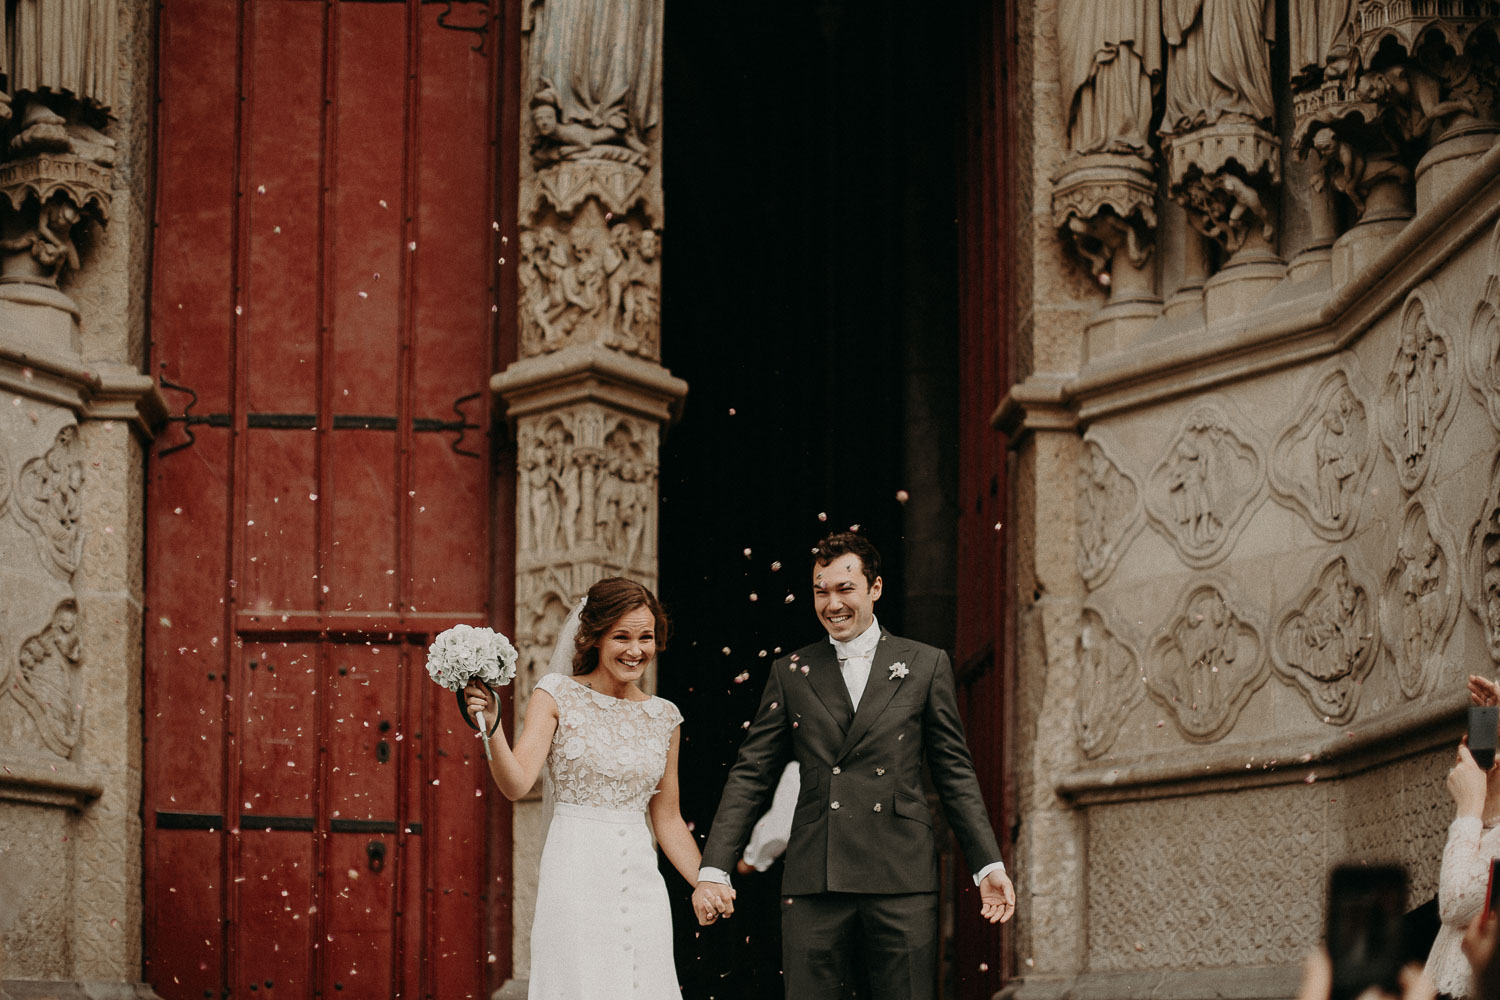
pixel 997 897
pixel 712 900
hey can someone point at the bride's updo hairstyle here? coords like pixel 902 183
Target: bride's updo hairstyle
pixel 608 601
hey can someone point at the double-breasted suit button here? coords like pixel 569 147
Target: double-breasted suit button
pixel 838 770
pixel 834 804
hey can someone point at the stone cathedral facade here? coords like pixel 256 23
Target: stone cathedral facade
pixel 1253 332
pixel 1257 356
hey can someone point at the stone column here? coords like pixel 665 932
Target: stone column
pixel 588 396
pixel 76 418
pixel 1104 194
pixel 1224 163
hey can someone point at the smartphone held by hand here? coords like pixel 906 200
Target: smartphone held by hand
pixel 1484 721
pixel 1365 933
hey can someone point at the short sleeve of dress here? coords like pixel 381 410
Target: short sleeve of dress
pixel 671 717
pixel 549 683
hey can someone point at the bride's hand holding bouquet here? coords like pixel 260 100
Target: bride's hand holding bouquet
pixel 473 661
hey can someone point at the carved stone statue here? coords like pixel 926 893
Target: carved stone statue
pixel 49 498
pixel 1199 493
pixel 1109 513
pixel 60 63
pixel 1419 393
pixel 1322 35
pixel 1482 583
pixel 1326 644
pixel 1218 61
pixel 1419 601
pixel 1111 68
pixel 1109 683
pixel 45 685
pixel 597 71
pixel 1205 662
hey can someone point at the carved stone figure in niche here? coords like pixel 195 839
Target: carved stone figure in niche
pixel 1109 683
pixel 566 485
pixel 49 497
pixel 1205 663
pixel 1199 493
pixel 596 69
pixel 1219 61
pixel 1111 65
pixel 1418 400
pixel 1483 575
pixel 50 243
pixel 1419 603
pixel 1322 39
pixel 1483 361
pixel 591 287
pixel 1326 644
pixel 1413 99
pixel 1109 509
pixel 1323 458
pixel 45 684
pixel 538 508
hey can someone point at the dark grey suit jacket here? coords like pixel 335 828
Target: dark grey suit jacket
pixel 862 822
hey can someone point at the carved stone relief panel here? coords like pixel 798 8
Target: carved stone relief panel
pixel 1419 399
pixel 1322 460
pixel 1211 479
pixel 1110 681
pixel 1326 642
pixel 1482 578
pixel 1109 511
pixel 590 285
pixel 587 488
pixel 49 499
pixel 43 684
pixel 1420 598
pixel 544 597
pixel 1205 661
pixel 1483 355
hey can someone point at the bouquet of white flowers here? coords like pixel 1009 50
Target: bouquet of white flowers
pixel 464 653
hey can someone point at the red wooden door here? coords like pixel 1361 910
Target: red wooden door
pixel 323 310
pixel 983 666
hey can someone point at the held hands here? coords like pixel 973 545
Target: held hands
pixel 712 900
pixel 1466 783
pixel 997 897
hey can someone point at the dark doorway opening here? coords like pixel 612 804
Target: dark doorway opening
pixel 810 302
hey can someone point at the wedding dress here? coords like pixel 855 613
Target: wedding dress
pixel 603 929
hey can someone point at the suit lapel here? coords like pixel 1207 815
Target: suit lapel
pixel 827 681
pixel 880 688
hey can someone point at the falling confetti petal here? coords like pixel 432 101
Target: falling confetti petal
pixel 902 496
pixel 822 516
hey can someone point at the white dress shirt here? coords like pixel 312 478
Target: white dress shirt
pixel 855 658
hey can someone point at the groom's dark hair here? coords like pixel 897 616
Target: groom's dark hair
pixel 849 543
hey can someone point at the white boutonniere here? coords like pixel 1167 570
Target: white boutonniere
pixel 898 669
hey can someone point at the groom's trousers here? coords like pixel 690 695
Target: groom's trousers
pixel 867 945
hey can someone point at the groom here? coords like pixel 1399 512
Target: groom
pixel 861 713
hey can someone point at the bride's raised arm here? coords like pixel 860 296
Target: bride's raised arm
pixel 515 771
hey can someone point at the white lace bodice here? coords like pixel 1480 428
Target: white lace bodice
pixel 606 752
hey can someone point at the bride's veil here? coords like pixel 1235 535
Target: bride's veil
pixel 560 663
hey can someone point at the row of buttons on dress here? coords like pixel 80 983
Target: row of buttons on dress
pixel 625 909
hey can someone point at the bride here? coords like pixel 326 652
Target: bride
pixel 603 929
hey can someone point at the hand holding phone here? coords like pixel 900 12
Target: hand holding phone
pixel 1484 728
pixel 1366 906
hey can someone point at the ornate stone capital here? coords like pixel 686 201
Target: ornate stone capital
pixel 1106 204
pixel 1224 175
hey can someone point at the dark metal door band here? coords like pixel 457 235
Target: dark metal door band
pixel 309 421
